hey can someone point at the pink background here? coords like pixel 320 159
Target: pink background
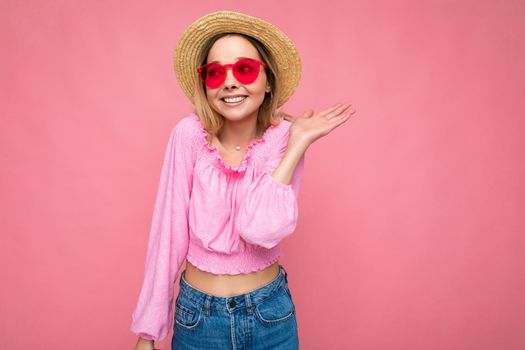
pixel 411 214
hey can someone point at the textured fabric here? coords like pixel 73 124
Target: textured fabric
pixel 223 219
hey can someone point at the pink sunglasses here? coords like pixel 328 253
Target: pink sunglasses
pixel 245 70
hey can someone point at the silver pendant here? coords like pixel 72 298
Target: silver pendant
pixel 238 147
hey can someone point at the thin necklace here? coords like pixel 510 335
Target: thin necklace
pixel 237 146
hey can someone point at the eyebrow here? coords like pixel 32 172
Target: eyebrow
pixel 217 61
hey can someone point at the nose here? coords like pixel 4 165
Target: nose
pixel 230 80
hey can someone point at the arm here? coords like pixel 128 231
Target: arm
pixel 293 158
pixel 168 238
pixel 269 211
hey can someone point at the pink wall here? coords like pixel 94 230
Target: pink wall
pixel 411 214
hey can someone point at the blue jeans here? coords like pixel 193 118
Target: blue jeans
pixel 263 318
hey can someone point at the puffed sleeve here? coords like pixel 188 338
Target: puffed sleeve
pixel 269 211
pixel 168 240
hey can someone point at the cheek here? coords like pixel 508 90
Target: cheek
pixel 258 95
pixel 259 87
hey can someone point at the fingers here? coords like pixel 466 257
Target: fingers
pixel 330 109
pixel 341 118
pixel 338 116
pixel 336 110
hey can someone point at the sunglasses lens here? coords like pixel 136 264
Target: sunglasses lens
pixel 213 75
pixel 246 71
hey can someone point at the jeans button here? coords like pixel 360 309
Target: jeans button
pixel 232 303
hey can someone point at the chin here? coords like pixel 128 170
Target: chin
pixel 235 112
pixel 235 117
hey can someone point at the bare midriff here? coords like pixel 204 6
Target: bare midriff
pixel 229 285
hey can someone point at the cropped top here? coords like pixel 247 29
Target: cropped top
pixel 223 219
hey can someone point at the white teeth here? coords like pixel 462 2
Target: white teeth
pixel 234 99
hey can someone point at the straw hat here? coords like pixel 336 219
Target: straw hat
pixel 195 36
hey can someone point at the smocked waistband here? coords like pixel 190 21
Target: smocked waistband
pixel 253 258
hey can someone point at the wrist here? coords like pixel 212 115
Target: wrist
pixel 298 143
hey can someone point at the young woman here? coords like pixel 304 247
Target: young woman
pixel 228 192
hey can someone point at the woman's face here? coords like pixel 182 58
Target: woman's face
pixel 226 50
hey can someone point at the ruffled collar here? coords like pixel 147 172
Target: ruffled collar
pixel 221 163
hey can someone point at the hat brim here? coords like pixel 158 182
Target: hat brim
pixel 199 32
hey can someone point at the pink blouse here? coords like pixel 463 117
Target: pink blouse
pixel 222 219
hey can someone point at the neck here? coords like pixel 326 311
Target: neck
pixel 240 132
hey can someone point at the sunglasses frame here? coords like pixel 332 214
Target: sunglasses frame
pixel 230 66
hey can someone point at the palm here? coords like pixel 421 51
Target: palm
pixel 311 127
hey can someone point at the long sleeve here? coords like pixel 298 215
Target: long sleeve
pixel 269 211
pixel 168 240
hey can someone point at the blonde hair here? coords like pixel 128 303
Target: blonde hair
pixel 266 115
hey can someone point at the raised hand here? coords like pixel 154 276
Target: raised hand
pixel 309 126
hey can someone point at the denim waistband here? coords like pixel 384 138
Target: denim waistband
pixel 208 301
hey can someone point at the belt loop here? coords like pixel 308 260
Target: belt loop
pixel 207 302
pixel 248 300
pixel 285 273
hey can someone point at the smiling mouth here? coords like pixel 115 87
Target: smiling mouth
pixel 234 103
